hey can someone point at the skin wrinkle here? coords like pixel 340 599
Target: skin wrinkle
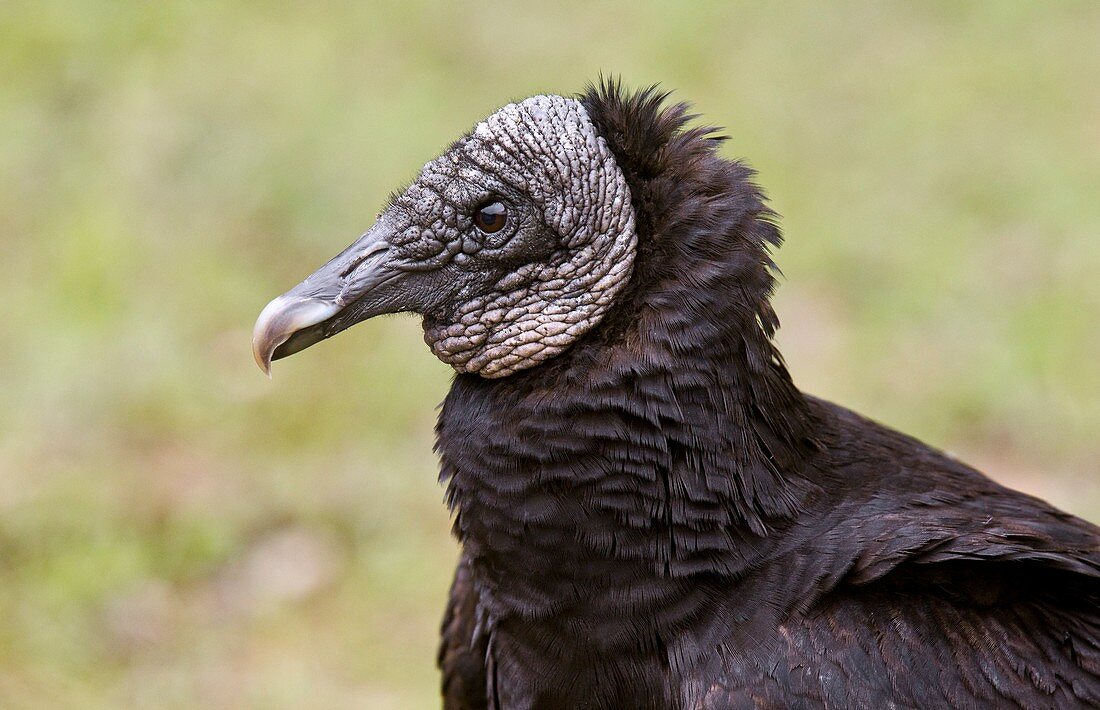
pixel 544 150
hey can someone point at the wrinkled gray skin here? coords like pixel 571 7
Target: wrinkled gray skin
pixel 493 304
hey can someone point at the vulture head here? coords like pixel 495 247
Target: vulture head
pixel 511 245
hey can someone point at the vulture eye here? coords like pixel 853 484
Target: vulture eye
pixel 491 217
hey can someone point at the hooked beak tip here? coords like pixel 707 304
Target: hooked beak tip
pixel 280 320
pixel 263 360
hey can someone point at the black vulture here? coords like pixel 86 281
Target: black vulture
pixel 651 514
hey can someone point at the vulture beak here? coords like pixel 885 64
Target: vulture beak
pixel 355 285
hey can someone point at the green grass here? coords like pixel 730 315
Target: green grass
pixel 176 531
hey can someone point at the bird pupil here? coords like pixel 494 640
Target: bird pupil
pixel 491 217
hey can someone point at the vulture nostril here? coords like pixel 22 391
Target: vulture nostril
pixel 371 251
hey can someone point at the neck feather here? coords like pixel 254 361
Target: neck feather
pixel 670 438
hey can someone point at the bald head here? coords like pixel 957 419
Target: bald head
pixel 512 244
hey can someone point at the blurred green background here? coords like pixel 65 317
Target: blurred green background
pixel 177 532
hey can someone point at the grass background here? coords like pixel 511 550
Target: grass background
pixel 176 531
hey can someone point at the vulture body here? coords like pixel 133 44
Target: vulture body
pixel 651 514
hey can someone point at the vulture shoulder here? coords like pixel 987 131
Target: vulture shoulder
pixel 949 636
pixel 926 585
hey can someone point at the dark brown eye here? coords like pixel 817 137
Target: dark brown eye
pixel 491 217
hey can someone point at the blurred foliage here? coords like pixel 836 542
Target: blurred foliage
pixel 176 531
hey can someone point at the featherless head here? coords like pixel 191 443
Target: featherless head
pixel 511 245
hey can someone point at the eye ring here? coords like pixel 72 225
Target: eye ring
pixel 491 216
